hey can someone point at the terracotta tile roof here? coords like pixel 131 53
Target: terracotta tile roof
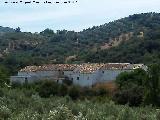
pixel 50 67
pixel 66 67
pixel 82 68
pixel 35 68
pixel 89 68
pixel 113 66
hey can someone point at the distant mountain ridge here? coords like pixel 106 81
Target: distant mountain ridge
pixel 6 29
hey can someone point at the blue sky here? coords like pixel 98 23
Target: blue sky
pixel 77 16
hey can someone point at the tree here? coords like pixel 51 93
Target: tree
pixel 130 87
pixel 18 29
pixel 47 32
pixel 128 79
pixel 74 92
pixel 3 76
pixel 132 96
pixel 48 88
pixel 63 90
pixel 152 86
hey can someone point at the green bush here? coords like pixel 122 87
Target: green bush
pixel 16 85
pixel 87 92
pixel 1 93
pixel 101 92
pixel 5 112
pixel 15 105
pixel 63 90
pixel 48 88
pixel 132 96
pixel 74 92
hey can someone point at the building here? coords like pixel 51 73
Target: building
pixel 86 74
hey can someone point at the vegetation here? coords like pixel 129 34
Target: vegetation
pixel 19 49
pixel 16 104
pixel 52 101
pixel 138 49
pixel 152 86
pixel 139 87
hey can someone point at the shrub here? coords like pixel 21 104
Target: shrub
pixel 48 88
pixel 1 93
pixel 101 92
pixel 16 85
pixel 28 93
pixel 5 112
pixel 88 92
pixel 63 90
pixel 74 92
pixel 132 96
pixel 67 81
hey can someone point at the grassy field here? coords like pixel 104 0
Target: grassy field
pixel 23 105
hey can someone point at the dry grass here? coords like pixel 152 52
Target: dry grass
pixel 110 86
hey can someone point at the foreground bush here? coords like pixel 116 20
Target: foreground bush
pixel 132 96
pixel 48 88
pixel 14 105
pixel 74 92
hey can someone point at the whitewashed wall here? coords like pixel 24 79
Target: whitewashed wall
pixel 68 74
pixel 26 74
pixel 109 75
pixel 86 79
pixel 22 79
pixel 40 74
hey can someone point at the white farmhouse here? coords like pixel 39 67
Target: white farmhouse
pixel 86 74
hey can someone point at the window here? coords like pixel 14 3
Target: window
pixel 77 78
pixel 72 79
pixel 26 80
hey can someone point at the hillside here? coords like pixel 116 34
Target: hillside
pixel 6 29
pixel 134 39
pixel 143 43
pixel 140 33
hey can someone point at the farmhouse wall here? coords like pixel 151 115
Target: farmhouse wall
pixel 109 75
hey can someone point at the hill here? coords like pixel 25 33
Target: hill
pixel 6 29
pixel 140 36
pixel 134 39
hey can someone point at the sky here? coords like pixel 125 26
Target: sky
pixel 74 16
